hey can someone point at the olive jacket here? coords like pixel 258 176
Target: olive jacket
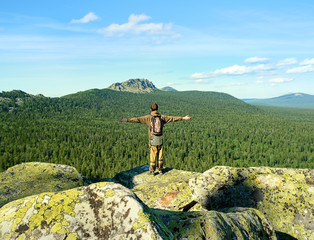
pixel 147 120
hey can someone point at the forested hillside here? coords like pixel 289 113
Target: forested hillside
pixel 83 130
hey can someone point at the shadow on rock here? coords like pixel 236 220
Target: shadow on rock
pixel 233 223
pixel 284 236
pixel 127 178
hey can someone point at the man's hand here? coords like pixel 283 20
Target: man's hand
pixel 123 120
pixel 187 117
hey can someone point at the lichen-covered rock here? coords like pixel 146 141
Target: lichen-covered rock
pixel 168 191
pixel 98 211
pixel 238 199
pixel 285 196
pixel 34 177
pixel 235 223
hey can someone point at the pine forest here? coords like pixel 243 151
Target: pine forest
pixel 83 130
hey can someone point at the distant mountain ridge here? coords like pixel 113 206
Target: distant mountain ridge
pixel 169 89
pixel 292 100
pixel 134 85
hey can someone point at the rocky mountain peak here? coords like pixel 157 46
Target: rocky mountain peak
pixel 138 85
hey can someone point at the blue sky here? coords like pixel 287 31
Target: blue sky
pixel 244 48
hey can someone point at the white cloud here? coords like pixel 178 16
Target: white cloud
pixel 138 18
pixel 236 84
pixel 134 26
pixel 233 70
pixel 280 80
pixel 259 81
pixel 287 61
pixel 307 62
pixel 256 60
pixel 302 69
pixel 201 81
pixel 87 18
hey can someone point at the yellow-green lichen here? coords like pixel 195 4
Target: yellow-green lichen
pixel 45 211
pixel 100 184
pixel 242 224
pixel 72 236
pixel 283 195
pixel 32 178
pixel 151 189
pixel 21 237
pixel 19 215
pixel 109 193
pixel 142 221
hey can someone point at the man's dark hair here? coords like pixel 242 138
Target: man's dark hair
pixel 154 107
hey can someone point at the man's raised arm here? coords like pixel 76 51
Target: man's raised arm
pixel 135 120
pixel 168 119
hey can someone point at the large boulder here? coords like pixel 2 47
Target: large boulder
pixel 233 203
pixel 34 177
pixel 98 211
pixel 285 196
pixel 168 191
pixel 234 223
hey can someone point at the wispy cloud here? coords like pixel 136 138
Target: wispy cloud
pixel 307 62
pixel 86 19
pixel 134 26
pixel 287 61
pixel 305 66
pixel 236 84
pixel 201 80
pixel 280 80
pixel 302 69
pixel 257 60
pixel 233 70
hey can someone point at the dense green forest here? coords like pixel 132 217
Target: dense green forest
pixel 83 130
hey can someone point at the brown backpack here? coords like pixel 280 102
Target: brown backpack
pixel 156 126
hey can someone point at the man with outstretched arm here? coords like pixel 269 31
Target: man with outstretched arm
pixel 155 122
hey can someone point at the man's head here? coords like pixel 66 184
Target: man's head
pixel 154 107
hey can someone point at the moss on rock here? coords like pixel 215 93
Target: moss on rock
pixel 81 213
pixel 168 191
pixel 236 223
pixel 33 178
pixel 238 199
pixel 285 196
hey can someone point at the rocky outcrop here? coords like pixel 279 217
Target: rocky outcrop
pixel 168 191
pixel 232 203
pixel 134 85
pixel 166 194
pixel 285 196
pixel 99 211
pixel 33 178
pixel 235 223
pixel 10 101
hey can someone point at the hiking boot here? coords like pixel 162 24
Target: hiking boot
pixel 151 173
pixel 160 171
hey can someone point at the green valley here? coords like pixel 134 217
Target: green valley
pixel 83 130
